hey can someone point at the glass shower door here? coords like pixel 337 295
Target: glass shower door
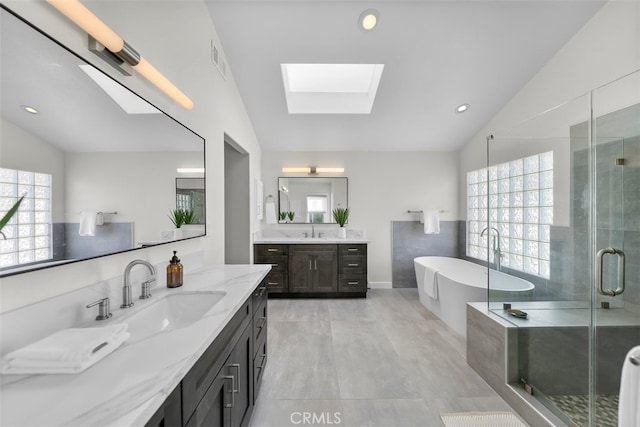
pixel 615 193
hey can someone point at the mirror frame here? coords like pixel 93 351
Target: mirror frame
pixel 41 265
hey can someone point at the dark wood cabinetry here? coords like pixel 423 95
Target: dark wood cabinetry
pixel 278 257
pixel 320 270
pixel 313 268
pixel 222 387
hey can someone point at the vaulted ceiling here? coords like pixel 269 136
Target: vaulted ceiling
pixel 436 55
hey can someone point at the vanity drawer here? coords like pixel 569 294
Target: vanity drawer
pixel 355 249
pixel 352 283
pixel 353 264
pixel 264 250
pixel 259 362
pixel 259 326
pixel 277 282
pixel 278 263
pixel 259 295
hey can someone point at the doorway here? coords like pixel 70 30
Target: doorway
pixel 237 204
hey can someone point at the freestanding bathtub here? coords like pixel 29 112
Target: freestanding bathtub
pixel 458 282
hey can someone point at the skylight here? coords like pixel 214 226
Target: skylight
pixel 127 100
pixel 331 88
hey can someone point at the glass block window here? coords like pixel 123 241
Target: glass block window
pixel 517 199
pixel 28 233
pixel 184 201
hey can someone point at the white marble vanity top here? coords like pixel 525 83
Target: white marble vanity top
pixel 130 384
pixel 297 236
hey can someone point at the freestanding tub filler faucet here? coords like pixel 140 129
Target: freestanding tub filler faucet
pixel 497 252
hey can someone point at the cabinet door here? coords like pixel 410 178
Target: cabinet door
pixel 300 270
pixel 325 265
pixel 215 408
pixel 239 367
pixel 170 413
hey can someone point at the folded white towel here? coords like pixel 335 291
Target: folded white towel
pixel 431 282
pixel 431 220
pixel 88 223
pixel 75 344
pixel 35 366
pixel 270 212
pixel 629 406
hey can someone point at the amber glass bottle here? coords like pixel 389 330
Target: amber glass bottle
pixel 174 272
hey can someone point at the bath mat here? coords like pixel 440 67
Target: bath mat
pixel 478 419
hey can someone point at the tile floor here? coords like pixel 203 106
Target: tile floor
pixel 380 361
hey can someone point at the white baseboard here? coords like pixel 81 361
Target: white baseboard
pixel 380 285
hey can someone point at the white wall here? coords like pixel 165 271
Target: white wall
pixel 605 49
pixel 139 186
pixel 174 36
pixel 383 185
pixel 18 146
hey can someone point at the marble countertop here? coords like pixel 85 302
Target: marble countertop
pixel 130 384
pixel 309 240
pixel 297 235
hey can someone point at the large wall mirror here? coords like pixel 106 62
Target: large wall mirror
pixel 312 199
pixel 98 164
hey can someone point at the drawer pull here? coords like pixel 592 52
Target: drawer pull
pixel 264 322
pixel 352 265
pixel 264 360
pixel 274 265
pixel 272 250
pixel 353 249
pixel 352 283
pixel 273 283
pixel 233 387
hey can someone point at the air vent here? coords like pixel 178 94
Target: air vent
pixel 218 60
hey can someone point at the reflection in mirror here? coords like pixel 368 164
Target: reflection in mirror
pixel 96 162
pixel 190 196
pixel 312 199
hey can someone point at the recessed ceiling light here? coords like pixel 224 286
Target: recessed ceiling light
pixel 462 108
pixel 368 19
pixel 29 109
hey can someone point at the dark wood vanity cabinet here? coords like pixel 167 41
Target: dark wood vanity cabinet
pixel 278 257
pixel 222 387
pixel 313 268
pixel 320 270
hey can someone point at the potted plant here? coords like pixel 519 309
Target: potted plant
pixel 10 213
pixel 291 215
pixel 283 216
pixel 177 218
pixel 341 216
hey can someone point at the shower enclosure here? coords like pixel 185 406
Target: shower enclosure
pixel 561 200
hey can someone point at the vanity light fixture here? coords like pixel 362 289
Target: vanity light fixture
pixel 92 25
pixel 462 108
pixel 29 109
pixel 190 170
pixel 312 170
pixel 368 19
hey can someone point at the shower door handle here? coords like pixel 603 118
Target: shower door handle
pixel 621 273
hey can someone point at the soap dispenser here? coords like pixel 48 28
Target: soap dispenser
pixel 174 272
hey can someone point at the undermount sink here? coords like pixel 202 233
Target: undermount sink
pixel 173 311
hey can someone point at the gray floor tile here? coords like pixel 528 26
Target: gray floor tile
pixel 380 361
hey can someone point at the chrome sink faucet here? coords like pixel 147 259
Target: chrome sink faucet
pixel 497 252
pixel 146 286
pixel 313 231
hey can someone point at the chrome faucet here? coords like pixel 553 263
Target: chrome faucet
pixel 146 286
pixel 313 231
pixel 497 252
